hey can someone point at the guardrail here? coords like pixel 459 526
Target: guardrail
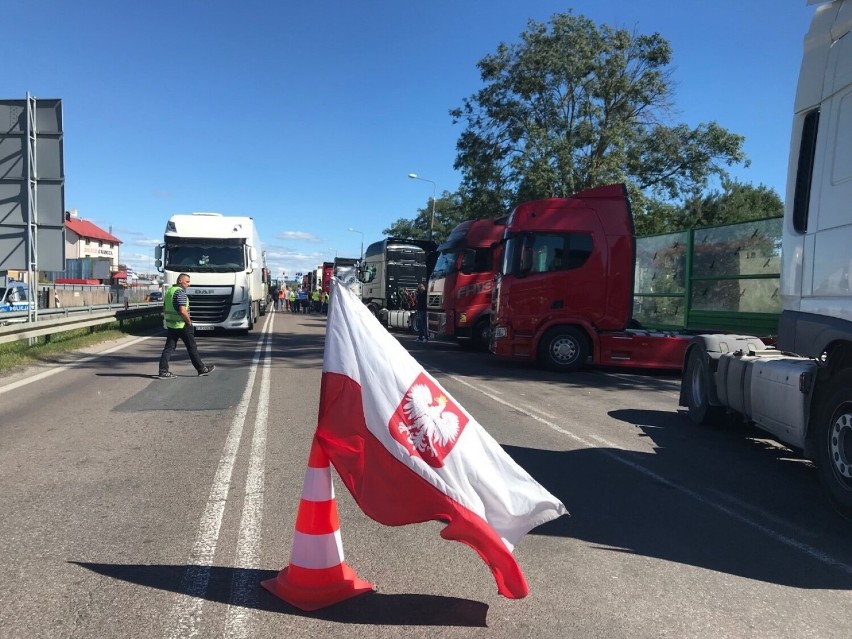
pixel 51 321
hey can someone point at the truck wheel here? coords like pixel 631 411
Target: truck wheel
pixel 834 441
pixel 563 349
pixel 696 381
pixel 482 334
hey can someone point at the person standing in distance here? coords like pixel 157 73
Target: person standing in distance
pixel 420 301
pixel 179 327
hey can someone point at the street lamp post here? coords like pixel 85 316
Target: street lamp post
pixel 414 176
pixel 361 257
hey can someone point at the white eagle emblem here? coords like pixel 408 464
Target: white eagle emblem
pixel 431 426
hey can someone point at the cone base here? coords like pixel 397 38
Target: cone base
pixel 309 598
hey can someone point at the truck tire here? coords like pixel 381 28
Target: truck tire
pixel 696 383
pixel 481 335
pixel 834 441
pixel 564 348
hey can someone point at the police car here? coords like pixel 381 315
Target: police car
pixel 14 297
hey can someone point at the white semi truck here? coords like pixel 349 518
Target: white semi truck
pixel 800 390
pixel 223 257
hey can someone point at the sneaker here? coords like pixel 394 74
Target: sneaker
pixel 166 375
pixel 206 370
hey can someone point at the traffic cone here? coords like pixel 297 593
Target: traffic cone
pixel 317 576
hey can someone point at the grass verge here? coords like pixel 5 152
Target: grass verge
pixel 51 348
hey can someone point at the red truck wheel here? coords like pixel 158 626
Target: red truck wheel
pixel 564 348
pixel 482 335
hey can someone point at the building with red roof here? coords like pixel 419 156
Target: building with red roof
pixel 85 239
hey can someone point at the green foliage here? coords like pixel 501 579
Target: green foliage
pixel 736 202
pixel 448 215
pixel 574 105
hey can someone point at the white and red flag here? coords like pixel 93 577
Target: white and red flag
pixel 409 453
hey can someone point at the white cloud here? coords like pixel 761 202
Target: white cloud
pixel 302 236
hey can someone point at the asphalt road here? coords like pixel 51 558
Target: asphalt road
pixel 137 507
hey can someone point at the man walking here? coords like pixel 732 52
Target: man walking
pixel 179 327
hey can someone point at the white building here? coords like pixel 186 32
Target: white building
pixel 85 239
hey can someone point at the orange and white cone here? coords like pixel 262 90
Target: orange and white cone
pixel 317 576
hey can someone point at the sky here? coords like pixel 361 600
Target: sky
pixel 309 116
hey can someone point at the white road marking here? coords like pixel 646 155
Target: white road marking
pixel 63 367
pixel 185 617
pixel 244 583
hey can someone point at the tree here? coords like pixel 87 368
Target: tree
pixel 448 214
pixel 573 106
pixel 736 202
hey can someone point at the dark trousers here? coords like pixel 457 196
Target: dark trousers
pixel 187 336
pixel 422 328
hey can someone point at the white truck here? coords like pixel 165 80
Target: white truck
pixel 800 390
pixel 223 257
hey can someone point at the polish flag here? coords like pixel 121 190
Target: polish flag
pixel 408 452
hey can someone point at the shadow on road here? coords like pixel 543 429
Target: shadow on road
pixel 707 499
pixel 374 609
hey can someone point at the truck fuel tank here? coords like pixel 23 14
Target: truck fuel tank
pixel 770 388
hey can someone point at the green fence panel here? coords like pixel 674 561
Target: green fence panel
pixel 723 278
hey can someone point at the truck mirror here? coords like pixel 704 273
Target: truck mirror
pixel 158 252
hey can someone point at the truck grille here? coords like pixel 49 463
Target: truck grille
pixel 209 309
pixel 435 300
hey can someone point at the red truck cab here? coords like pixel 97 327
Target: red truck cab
pixel 327 272
pixel 564 292
pixel 460 286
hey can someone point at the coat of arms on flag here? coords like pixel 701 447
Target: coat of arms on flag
pixel 427 422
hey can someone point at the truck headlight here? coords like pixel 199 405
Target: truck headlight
pixel 238 315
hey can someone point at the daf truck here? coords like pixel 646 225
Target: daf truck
pixel 223 257
pixel 800 391
pixel 460 287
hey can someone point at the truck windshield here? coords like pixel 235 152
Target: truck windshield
pixel 446 264
pixel 201 258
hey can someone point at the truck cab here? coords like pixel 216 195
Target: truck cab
pixel 389 274
pixel 460 287
pixel 565 288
